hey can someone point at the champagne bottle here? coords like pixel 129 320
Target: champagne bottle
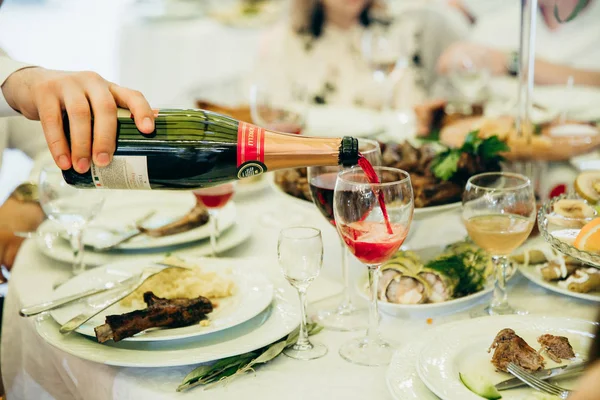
pixel 191 149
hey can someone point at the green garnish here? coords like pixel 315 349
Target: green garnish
pixel 445 164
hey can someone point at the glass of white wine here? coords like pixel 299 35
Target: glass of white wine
pixel 499 212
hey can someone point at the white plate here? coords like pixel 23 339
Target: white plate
pixel 243 189
pixel 253 294
pixel 533 275
pixel 338 121
pixel 463 348
pixel 301 202
pixel 277 321
pixel 169 206
pixel 58 249
pixel 427 310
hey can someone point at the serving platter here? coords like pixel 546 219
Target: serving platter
pixel 534 276
pixel 462 347
pixel 274 323
pixel 252 294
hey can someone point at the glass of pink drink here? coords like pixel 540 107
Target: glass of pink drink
pixel 214 199
pixel 499 212
pixel 373 209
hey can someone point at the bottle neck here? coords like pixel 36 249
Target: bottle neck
pixel 291 151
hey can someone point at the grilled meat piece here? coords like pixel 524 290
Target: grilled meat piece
pixel 196 217
pixel 163 313
pixel 557 347
pixel 510 347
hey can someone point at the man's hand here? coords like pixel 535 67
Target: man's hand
pixel 42 94
pixel 9 247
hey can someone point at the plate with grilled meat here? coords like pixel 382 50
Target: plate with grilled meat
pixel 433 281
pixel 561 274
pixel 151 222
pixel 203 298
pixel 438 175
pixel 466 360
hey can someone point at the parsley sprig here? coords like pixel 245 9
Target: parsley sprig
pixel 445 164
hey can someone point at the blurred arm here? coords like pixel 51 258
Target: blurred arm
pixel 7 67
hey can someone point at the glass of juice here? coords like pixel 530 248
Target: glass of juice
pixel 373 209
pixel 499 213
pixel 214 199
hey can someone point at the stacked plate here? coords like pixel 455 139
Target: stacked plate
pixel 116 221
pixel 430 368
pixel 254 316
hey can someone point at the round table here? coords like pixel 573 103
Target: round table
pixel 32 369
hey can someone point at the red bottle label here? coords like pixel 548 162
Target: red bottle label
pixel 250 150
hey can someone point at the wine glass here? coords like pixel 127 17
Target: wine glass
pixel 469 78
pixel 214 199
pixel 72 208
pixel 345 316
pixel 279 109
pixel 300 255
pixel 499 212
pixel 373 219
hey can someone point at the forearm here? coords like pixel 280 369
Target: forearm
pixel 547 73
pixel 7 68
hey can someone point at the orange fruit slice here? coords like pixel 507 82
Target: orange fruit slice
pixel 588 238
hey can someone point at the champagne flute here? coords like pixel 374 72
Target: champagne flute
pixel 373 234
pixel 345 316
pixel 499 213
pixel 300 255
pixel 214 199
pixel 72 208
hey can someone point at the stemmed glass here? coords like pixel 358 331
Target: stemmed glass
pixel 214 199
pixel 72 208
pixel 283 109
pixel 300 254
pixel 469 79
pixel 345 316
pixel 360 221
pixel 499 213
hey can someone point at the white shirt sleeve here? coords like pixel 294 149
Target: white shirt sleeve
pixel 7 67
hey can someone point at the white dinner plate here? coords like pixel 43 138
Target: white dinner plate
pixel 463 347
pixel 531 273
pixel 253 293
pixel 338 121
pixel 427 310
pixel 58 249
pixel 169 206
pixel 251 188
pixel 274 323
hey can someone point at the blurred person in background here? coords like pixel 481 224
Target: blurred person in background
pixel 321 46
pixel 563 50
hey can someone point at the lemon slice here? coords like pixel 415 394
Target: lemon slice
pixel 587 185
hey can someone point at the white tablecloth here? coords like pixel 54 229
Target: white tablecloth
pixel 34 370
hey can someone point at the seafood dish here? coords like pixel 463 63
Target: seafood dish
pixel 462 269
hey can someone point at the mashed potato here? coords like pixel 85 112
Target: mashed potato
pixel 182 283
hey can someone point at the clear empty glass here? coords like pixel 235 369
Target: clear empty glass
pixel 300 254
pixel 345 315
pixel 499 212
pixel 214 198
pixel 72 208
pixel 469 79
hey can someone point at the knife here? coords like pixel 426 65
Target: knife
pixel 563 370
pixel 56 303
pixel 106 302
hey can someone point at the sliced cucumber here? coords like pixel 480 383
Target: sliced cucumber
pixel 480 386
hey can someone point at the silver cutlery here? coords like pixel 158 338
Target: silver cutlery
pixel 128 237
pixel 537 383
pixel 131 226
pixel 63 301
pixel 562 371
pixel 108 301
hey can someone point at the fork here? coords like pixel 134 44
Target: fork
pixel 537 383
